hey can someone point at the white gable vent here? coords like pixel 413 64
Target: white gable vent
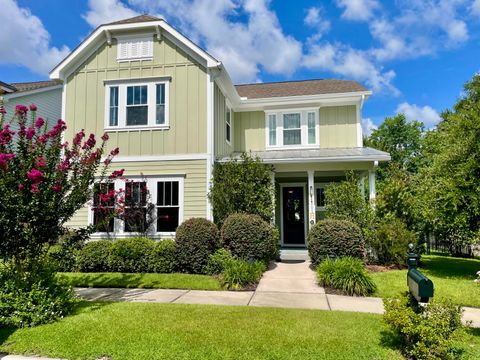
pixel 137 48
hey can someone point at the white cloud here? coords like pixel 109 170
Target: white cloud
pixel 475 8
pixel 315 18
pixel 425 114
pixel 105 11
pixel 368 126
pixel 360 10
pixel 25 41
pixel 348 62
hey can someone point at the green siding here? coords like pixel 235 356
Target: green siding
pixel 85 104
pixel 195 191
pixel 249 131
pixel 222 148
pixel 338 126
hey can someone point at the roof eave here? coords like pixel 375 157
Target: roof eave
pixel 32 92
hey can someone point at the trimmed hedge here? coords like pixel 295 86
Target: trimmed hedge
pixel 131 255
pixel 249 237
pixel 196 240
pixel 93 257
pixel 162 258
pixel 335 238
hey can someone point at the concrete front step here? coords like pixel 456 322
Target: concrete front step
pixel 287 254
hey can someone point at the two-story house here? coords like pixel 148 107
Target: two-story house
pixel 173 111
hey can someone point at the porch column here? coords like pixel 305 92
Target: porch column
pixel 311 199
pixel 273 197
pixel 362 185
pixel 371 186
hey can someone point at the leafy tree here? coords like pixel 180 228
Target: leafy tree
pixel 242 186
pixel 449 183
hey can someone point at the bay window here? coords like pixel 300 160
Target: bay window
pixel 136 104
pixel 292 128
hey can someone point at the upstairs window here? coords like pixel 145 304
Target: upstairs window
pixel 297 128
pixel 135 48
pixel 136 105
pixel 228 125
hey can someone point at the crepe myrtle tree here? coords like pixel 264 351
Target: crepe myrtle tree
pixel 44 181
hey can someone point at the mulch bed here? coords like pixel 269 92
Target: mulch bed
pixel 383 268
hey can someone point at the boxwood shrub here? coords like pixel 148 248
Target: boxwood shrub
pixel 335 238
pixel 346 274
pixel 162 258
pixel 131 255
pixel 93 257
pixel 196 240
pixel 249 237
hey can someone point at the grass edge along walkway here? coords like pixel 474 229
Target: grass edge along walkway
pixel 145 281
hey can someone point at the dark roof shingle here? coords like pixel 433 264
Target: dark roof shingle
pixel 135 19
pixel 297 88
pixel 27 86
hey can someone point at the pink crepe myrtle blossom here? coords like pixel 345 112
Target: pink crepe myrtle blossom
pixel 20 187
pixel 2 110
pixel 4 159
pixel 42 139
pixel 39 122
pixel 116 174
pixel 33 107
pixel 21 110
pixel 6 135
pixel 64 165
pixel 90 143
pixel 105 137
pixel 35 176
pixel 57 129
pixel 30 133
pixel 78 137
pixel 57 187
pixel 34 189
pixel 40 162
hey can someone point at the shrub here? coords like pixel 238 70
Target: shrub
pixel 196 240
pixel 390 241
pixel 239 273
pixel 93 257
pixel 335 238
pixel 249 237
pixel 162 259
pixel 32 298
pixel 131 255
pixel 62 258
pixel 347 274
pixel 243 185
pixel 218 261
pixel 426 333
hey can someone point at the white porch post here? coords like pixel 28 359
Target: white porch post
pixel 371 186
pixel 311 199
pixel 273 197
pixel 362 185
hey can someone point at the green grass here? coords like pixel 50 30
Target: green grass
pixel 173 331
pixel 453 280
pixel 154 281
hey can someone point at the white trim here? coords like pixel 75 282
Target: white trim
pixel 137 39
pixel 305 216
pixel 64 112
pixel 325 159
pixel 311 192
pixel 279 114
pixel 84 49
pixel 371 186
pixel 210 140
pixel 151 158
pixel 319 185
pixel 14 95
pixel 228 110
pixel 152 181
pixel 359 108
pixel 151 84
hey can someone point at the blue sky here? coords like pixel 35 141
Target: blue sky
pixel 414 54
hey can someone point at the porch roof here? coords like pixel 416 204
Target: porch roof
pixel 318 155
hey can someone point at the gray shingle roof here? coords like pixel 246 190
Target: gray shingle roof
pixel 297 88
pixel 34 85
pixel 319 155
pixel 135 19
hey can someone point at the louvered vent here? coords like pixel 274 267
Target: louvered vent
pixel 135 48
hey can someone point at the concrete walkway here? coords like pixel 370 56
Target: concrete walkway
pixel 285 285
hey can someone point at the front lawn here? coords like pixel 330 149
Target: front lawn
pixel 453 280
pixel 173 331
pixel 153 281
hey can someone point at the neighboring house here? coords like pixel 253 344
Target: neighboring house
pixel 47 95
pixel 173 111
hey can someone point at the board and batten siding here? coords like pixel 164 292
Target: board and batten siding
pixel 195 186
pixel 187 134
pixel 49 104
pixel 338 128
pixel 222 148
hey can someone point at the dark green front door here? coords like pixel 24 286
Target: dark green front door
pixel 293 216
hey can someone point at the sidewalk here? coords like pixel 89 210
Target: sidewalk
pixel 284 285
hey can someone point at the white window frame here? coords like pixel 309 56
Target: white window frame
pixel 303 125
pixel 134 38
pixel 228 110
pixel 319 186
pixel 151 103
pixel 119 225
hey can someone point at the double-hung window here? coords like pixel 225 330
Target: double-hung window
pixel 153 204
pixel 295 128
pixel 228 124
pixel 137 104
